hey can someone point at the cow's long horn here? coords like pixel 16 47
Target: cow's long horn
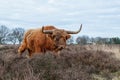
pixel 46 31
pixel 74 32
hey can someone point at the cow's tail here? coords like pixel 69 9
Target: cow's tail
pixel 23 45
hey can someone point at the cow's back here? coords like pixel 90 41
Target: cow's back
pixel 37 40
pixel 49 27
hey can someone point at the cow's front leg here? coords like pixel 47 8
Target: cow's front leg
pixel 38 50
pixel 21 49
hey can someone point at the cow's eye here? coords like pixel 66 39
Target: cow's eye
pixel 53 36
pixel 57 38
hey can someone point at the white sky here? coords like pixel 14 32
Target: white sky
pixel 99 17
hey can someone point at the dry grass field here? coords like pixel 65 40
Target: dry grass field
pixel 87 62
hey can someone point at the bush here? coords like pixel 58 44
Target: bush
pixel 74 63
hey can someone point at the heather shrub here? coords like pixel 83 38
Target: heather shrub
pixel 74 63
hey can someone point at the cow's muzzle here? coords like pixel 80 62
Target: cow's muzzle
pixel 61 47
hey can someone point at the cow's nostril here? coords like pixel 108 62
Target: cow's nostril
pixel 61 47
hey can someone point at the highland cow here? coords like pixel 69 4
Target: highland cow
pixel 47 38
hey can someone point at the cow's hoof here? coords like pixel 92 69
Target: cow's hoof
pixel 19 54
pixel 27 56
pixel 19 51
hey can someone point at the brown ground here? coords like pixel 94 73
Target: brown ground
pixel 89 62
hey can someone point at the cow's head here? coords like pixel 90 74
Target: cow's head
pixel 59 36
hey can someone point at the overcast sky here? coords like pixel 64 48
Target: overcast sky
pixel 99 17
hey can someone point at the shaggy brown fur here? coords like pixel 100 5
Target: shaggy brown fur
pixel 35 41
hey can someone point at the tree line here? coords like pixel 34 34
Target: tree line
pixel 11 36
pixel 83 40
pixel 15 36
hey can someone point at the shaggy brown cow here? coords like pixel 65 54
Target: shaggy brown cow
pixel 45 38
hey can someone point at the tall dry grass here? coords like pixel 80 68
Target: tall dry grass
pixel 114 48
pixel 89 62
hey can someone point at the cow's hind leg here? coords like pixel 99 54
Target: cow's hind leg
pixel 30 53
pixel 22 48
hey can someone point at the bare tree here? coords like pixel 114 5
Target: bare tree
pixel 82 40
pixel 70 41
pixel 3 33
pixel 100 40
pixel 11 38
pixel 16 35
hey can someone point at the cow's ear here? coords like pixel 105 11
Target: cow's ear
pixel 68 36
